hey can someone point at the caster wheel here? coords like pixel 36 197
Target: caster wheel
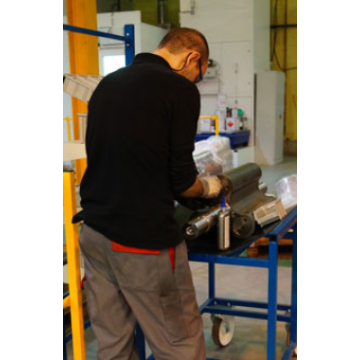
pixel 223 330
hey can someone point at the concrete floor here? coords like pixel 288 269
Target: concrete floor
pixel 250 337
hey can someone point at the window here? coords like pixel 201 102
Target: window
pixel 111 60
pixel 112 63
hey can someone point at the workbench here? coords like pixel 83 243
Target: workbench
pixel 203 250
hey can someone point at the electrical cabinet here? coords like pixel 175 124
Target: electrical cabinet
pixel 269 117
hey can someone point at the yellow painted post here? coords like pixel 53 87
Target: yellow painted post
pixel 84 59
pixel 73 263
pixel 68 127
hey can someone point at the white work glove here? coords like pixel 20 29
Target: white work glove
pixel 212 186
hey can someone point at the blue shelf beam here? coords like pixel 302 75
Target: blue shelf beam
pixel 129 38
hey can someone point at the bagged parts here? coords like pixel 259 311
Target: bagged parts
pixel 213 156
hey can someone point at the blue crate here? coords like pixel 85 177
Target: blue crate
pixel 237 139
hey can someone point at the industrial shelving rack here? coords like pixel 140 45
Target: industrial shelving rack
pixel 73 299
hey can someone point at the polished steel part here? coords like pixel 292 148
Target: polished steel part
pixel 244 193
pixel 202 224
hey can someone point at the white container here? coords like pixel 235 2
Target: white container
pixel 230 125
pixel 287 191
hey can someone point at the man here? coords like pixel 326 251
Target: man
pixel 142 123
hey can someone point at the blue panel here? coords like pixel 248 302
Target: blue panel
pixel 129 31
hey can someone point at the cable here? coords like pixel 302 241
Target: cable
pixel 280 67
pixel 274 54
pixel 275 30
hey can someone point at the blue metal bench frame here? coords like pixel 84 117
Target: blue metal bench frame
pixel 225 306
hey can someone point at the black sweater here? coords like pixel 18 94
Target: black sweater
pixel 142 123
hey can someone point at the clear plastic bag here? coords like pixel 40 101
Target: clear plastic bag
pixel 287 191
pixel 213 156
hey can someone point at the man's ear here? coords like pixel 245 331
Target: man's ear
pixel 195 56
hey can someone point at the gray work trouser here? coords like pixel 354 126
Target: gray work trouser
pixel 123 289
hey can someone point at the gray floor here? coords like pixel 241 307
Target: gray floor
pixel 249 342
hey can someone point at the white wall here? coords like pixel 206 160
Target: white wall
pixel 115 22
pixel 151 37
pixel 238 33
pixel 261 35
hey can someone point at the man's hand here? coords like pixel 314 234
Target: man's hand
pixel 212 186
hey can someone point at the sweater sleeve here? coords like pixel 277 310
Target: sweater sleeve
pixel 185 115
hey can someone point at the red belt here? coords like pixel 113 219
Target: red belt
pixel 117 247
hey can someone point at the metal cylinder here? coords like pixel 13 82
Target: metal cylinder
pixel 201 224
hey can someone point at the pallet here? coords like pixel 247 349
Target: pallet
pixel 260 248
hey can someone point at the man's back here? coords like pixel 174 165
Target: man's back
pixel 141 130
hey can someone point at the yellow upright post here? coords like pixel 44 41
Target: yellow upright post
pixel 73 263
pixel 84 58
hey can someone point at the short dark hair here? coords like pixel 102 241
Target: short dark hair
pixel 179 39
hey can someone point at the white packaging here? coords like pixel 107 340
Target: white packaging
pixel 287 191
pixel 80 86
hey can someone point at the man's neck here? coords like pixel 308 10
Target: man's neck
pixel 175 61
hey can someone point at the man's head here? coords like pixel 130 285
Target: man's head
pixel 187 52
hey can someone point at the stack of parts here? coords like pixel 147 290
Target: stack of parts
pixel 270 212
pixel 80 86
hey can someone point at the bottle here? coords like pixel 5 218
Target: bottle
pixel 230 125
pixel 224 226
pixel 240 117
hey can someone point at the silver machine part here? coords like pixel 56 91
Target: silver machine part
pixel 244 194
pixel 201 224
pixel 223 230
